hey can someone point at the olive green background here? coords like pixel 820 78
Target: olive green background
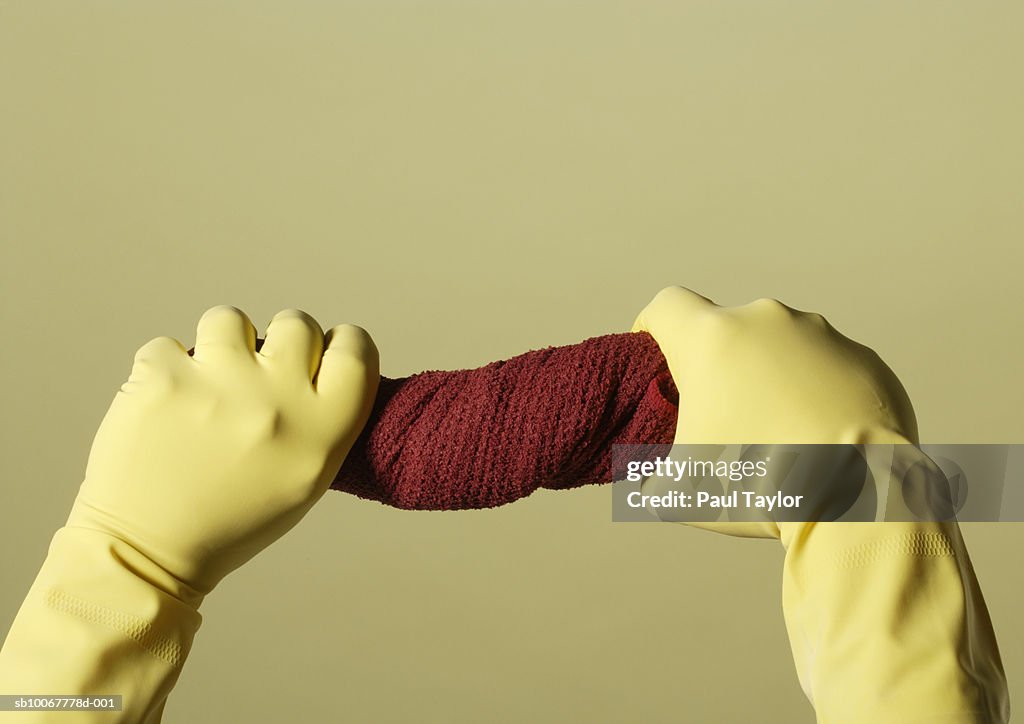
pixel 469 180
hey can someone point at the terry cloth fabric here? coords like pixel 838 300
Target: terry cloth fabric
pixel 486 437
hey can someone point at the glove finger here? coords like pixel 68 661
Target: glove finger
pixel 349 375
pixel 160 349
pixel 671 309
pixel 672 318
pixel 224 330
pixel 293 344
pixel 159 357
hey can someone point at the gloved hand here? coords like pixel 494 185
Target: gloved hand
pixel 203 461
pixel 765 373
pixel 199 464
pixel 886 620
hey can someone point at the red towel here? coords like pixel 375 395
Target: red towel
pixel 485 437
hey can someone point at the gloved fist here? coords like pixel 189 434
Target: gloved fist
pixel 766 373
pixel 203 461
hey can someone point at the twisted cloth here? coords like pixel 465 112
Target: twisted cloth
pixel 485 437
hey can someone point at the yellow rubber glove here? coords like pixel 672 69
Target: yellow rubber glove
pixel 200 463
pixel 886 620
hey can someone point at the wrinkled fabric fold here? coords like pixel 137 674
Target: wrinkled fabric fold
pixel 486 437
